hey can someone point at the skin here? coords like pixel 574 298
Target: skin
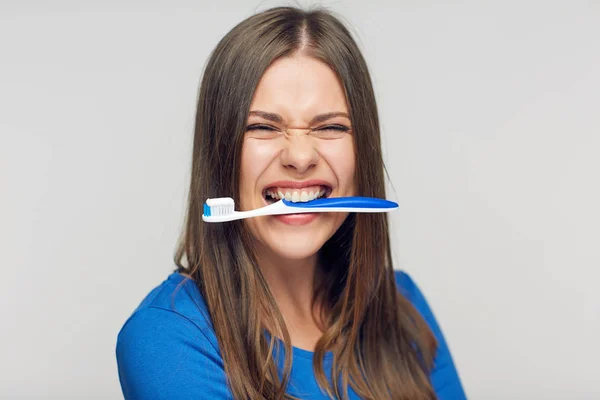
pixel 297 88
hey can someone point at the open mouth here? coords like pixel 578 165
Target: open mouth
pixel 273 194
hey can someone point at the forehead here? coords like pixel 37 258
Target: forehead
pixel 299 87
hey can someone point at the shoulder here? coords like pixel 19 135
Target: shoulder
pixel 167 346
pixel 179 295
pixel 405 284
pixel 175 305
pixel 444 376
pixel 409 289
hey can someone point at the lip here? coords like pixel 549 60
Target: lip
pixel 299 184
pixel 296 219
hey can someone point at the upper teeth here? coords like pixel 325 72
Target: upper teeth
pixel 296 195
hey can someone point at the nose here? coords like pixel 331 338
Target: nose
pixel 299 153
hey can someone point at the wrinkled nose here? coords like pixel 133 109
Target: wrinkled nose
pixel 299 153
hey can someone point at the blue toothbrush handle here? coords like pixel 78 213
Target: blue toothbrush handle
pixel 344 202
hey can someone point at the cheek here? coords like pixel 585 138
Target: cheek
pixel 256 157
pixel 341 159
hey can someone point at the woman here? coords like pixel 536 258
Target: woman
pixel 298 306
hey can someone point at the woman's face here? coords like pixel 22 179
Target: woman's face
pixel 298 144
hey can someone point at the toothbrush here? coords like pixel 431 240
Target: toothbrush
pixel 222 209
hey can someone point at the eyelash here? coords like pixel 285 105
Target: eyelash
pixel 325 128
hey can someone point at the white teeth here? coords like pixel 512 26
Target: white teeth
pixel 296 196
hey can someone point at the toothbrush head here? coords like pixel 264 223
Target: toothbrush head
pixel 219 207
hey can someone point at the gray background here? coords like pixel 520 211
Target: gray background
pixel 491 125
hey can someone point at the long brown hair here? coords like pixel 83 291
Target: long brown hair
pixel 383 348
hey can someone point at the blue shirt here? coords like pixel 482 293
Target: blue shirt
pixel 167 349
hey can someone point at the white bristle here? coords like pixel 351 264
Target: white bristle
pixel 221 206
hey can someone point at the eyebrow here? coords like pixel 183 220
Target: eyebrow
pixel 317 119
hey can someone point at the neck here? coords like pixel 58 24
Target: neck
pixel 292 284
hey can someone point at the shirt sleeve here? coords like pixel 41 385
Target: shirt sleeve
pixel 444 376
pixel 163 355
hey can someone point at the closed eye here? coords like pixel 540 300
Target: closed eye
pixel 263 132
pixel 340 128
pixel 329 132
pixel 256 127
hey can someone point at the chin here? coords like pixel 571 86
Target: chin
pixel 295 244
pixel 295 252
